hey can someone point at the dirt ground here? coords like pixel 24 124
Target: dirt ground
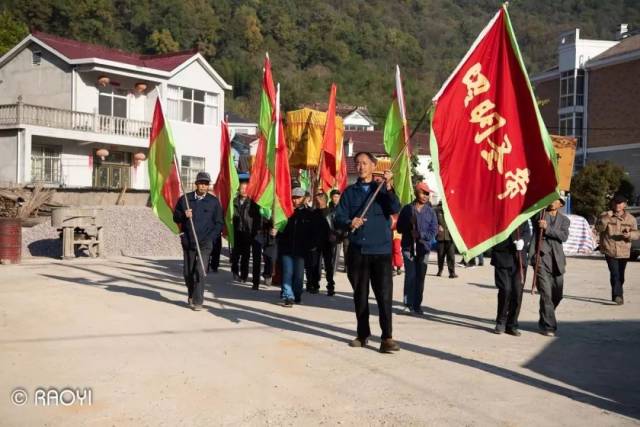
pixel 121 327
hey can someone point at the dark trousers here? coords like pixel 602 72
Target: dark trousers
pixel 415 270
pixel 362 269
pixel 446 249
pixel 192 270
pixel 617 266
pixel 509 296
pixel 323 257
pixel 269 255
pixel 550 289
pixel 246 246
pixel 214 261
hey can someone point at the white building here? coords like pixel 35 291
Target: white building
pixel 63 102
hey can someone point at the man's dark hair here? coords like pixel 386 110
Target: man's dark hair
pixel 371 157
pixel 322 194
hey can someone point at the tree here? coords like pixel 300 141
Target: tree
pixel 593 187
pixel 11 31
pixel 162 42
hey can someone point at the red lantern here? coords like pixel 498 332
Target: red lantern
pixel 102 153
pixel 103 81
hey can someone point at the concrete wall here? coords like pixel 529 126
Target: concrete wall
pixel 614 105
pixel 47 84
pixel 99 198
pixel 9 157
pixel 549 90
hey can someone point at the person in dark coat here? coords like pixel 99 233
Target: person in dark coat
pixel 509 259
pixel 552 263
pixel 295 242
pixel 369 253
pixel 246 220
pixel 323 256
pixel 206 212
pixel 446 247
pixel 418 225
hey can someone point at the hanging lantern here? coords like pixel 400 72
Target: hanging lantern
pixel 140 87
pixel 102 153
pixel 138 158
pixel 103 81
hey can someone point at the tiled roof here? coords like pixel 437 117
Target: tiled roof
pixel 629 44
pixel 74 49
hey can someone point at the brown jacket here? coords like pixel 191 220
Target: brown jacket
pixel 612 243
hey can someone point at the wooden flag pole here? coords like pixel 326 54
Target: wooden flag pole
pixel 193 228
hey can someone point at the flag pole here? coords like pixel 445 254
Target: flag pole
pixel 193 228
pixel 395 161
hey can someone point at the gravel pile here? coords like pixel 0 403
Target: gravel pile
pixel 128 231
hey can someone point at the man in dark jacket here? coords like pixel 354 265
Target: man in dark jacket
pixel 369 253
pixel 418 225
pixel 550 276
pixel 509 259
pixel 246 220
pixel 323 256
pixel 294 244
pixel 206 212
pixel 446 247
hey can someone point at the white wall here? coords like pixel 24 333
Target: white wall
pixel 199 141
pixel 430 177
pixel 356 119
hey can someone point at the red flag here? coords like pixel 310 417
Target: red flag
pixel 328 172
pixel 492 153
pixel 227 183
pixel 342 177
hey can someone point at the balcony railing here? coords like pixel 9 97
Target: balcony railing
pixel 27 114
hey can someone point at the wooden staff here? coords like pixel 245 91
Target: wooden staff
pixel 537 267
pixel 193 228
pixel 395 161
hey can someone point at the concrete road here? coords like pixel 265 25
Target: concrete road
pixel 120 329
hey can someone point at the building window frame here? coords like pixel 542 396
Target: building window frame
pixel 192 105
pixel 189 168
pixel 111 101
pixel 46 163
pixel 567 89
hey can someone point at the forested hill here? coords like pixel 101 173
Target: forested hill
pixel 355 43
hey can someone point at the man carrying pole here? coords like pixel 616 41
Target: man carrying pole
pixel 366 211
pixel 200 216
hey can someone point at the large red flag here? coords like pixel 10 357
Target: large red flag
pixel 328 172
pixel 491 151
pixel 227 183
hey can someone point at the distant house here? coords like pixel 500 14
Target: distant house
pixel 354 117
pixel 593 94
pixel 238 124
pixel 74 114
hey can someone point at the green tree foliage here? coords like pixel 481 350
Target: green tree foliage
pixel 11 31
pixel 594 185
pixel 355 43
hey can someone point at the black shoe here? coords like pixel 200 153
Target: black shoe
pixel 236 278
pixel 330 292
pixel 499 330
pixel 418 312
pixel 255 287
pixel 548 333
pixel 298 300
pixel 313 290
pixel 453 276
pixel 388 345
pixel 513 331
pixel 358 342
pixel 618 300
pixel 287 303
pixel 439 273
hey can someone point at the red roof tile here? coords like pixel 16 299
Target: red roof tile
pixel 74 49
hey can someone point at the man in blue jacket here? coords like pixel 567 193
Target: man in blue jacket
pixel 206 212
pixel 369 255
pixel 418 225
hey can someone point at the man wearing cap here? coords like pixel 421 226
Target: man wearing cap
pixel 295 243
pixel 551 268
pixel 246 223
pixel 418 225
pixel 326 248
pixel 369 253
pixel 206 212
pixel 617 228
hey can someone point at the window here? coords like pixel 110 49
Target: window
pixel 112 102
pixel 189 168
pixel 580 87
pixel 45 164
pixel 36 57
pixel 112 172
pixel 566 124
pixel 571 125
pixel 191 105
pixel 567 81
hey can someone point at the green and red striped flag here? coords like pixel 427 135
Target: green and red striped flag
pixel 396 144
pixel 227 183
pixel 164 181
pixel 270 182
